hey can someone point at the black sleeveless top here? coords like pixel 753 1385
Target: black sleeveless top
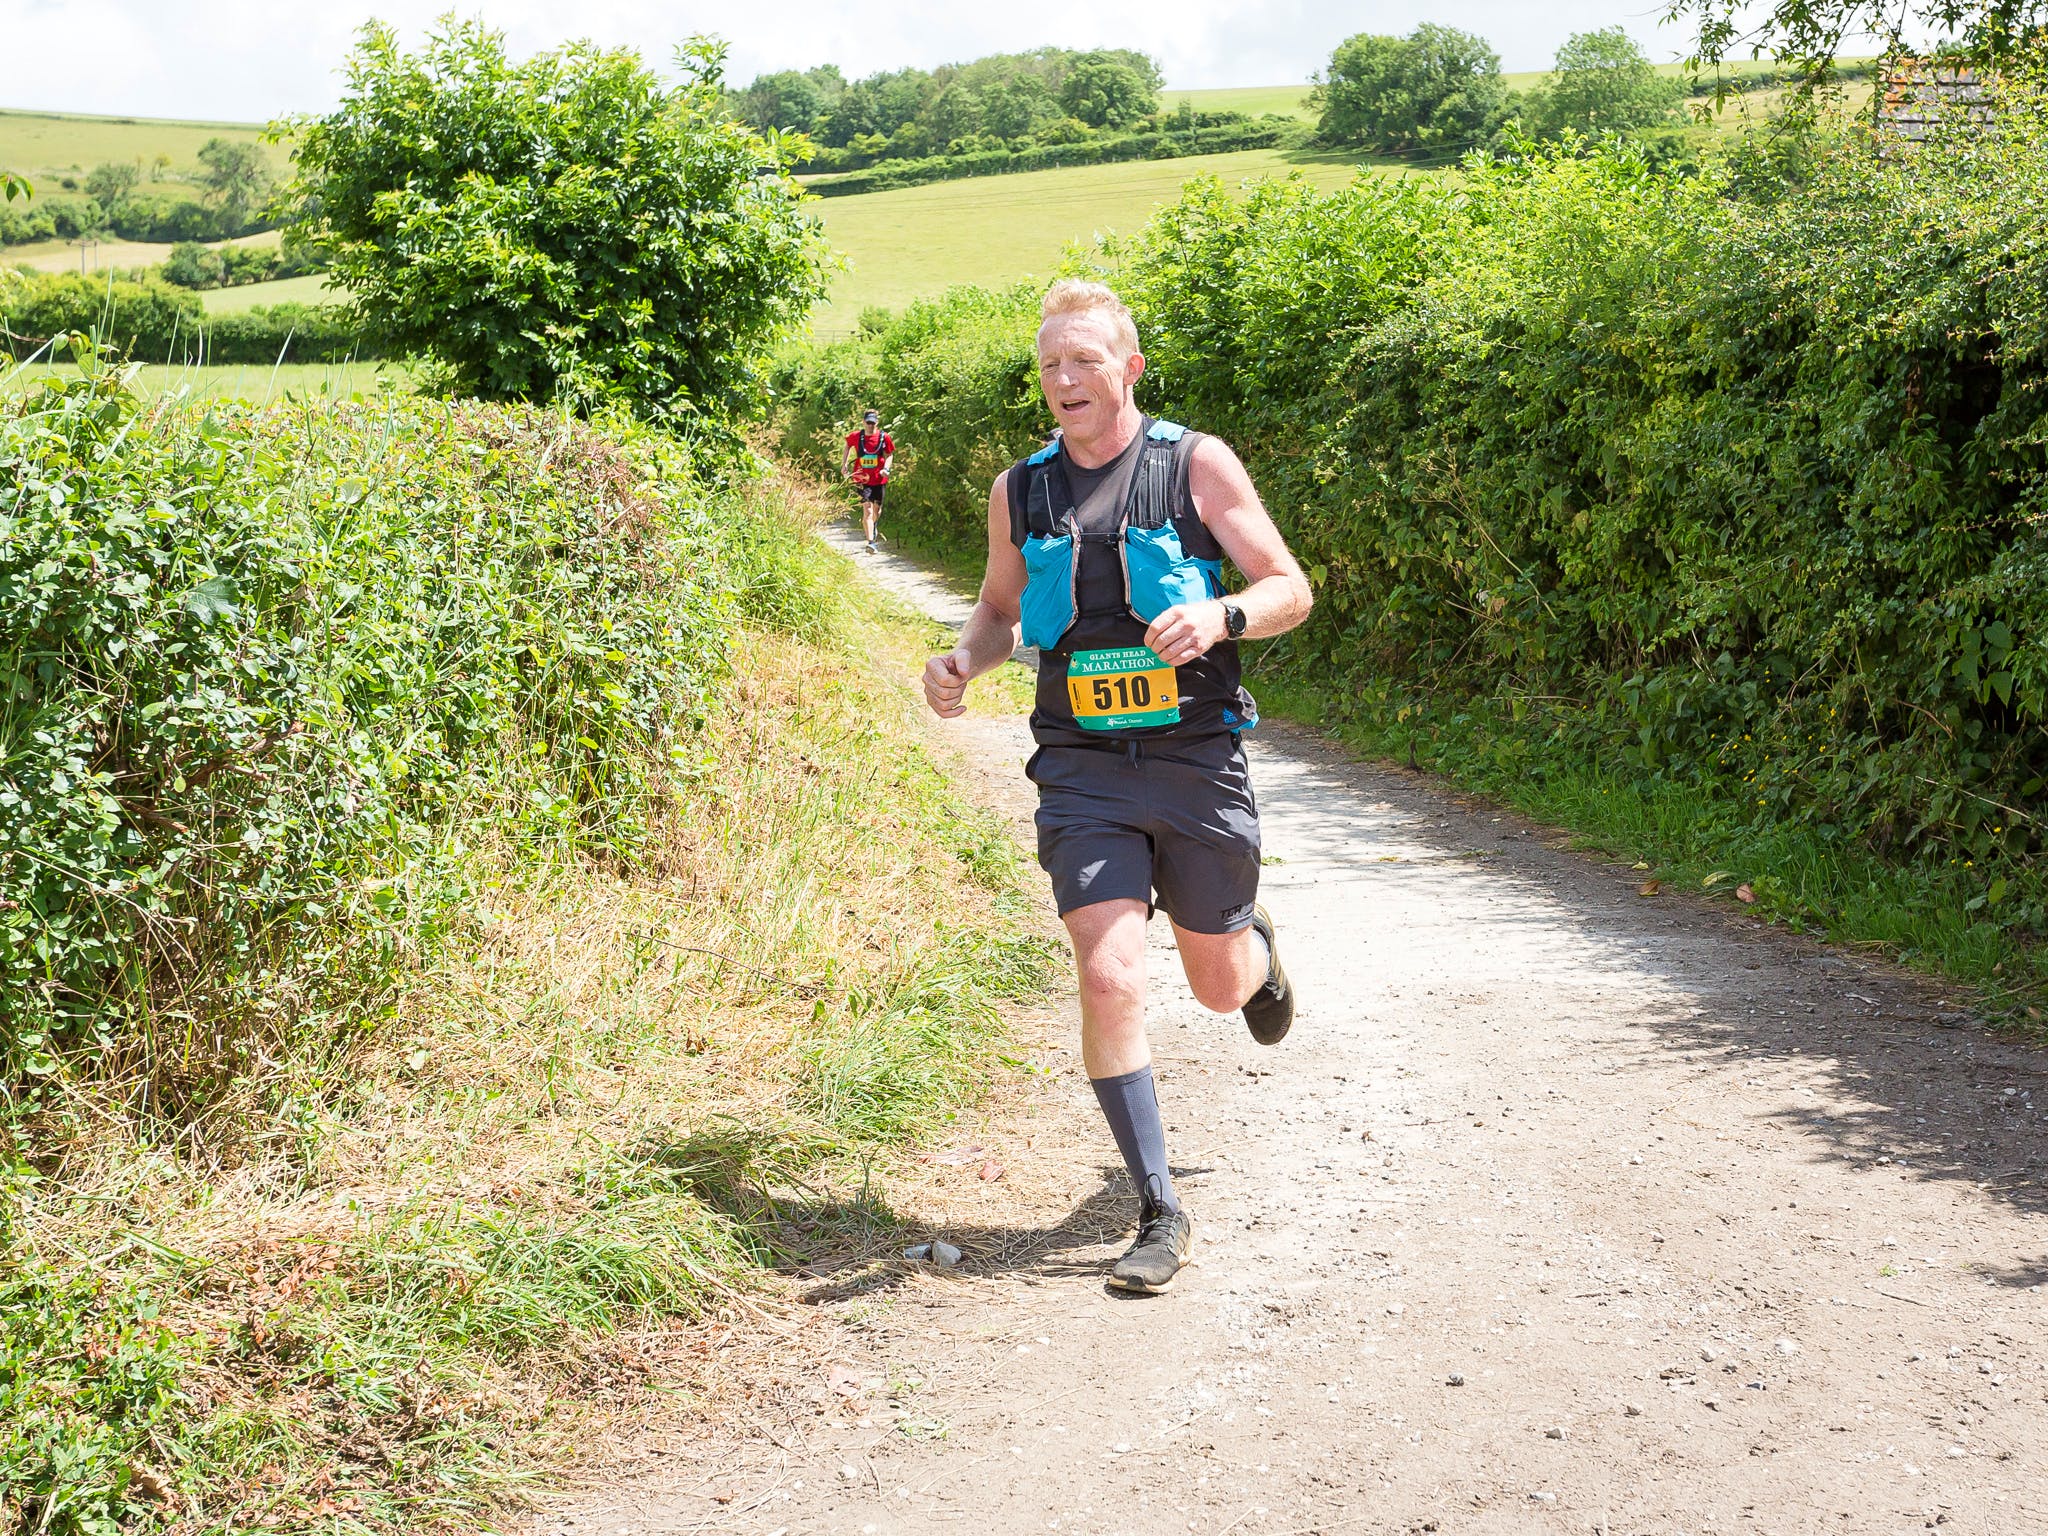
pixel 1213 698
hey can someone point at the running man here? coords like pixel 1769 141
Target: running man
pixel 1105 549
pixel 869 453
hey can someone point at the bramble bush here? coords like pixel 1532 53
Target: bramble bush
pixel 1731 486
pixel 269 673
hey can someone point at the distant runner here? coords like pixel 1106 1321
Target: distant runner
pixel 869 453
pixel 1105 551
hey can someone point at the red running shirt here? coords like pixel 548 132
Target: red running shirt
pixel 868 453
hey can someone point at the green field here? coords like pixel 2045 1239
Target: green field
pixel 335 380
pixel 1284 100
pixel 46 146
pixel 915 241
pixel 309 289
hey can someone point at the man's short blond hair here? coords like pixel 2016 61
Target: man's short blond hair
pixel 1075 296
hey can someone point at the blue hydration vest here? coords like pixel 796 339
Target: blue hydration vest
pixel 1158 572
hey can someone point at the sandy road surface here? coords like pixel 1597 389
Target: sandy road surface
pixel 1562 1209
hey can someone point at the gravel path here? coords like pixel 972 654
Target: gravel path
pixel 1562 1209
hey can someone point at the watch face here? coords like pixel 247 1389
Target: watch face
pixel 1233 619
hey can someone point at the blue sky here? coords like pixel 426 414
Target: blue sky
pixel 253 59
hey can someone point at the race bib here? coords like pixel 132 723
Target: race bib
pixel 1122 689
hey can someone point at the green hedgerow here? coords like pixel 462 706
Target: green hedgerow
pixel 265 675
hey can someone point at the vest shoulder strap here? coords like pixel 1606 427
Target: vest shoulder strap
pixel 1159 487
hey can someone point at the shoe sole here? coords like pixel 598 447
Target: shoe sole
pixel 1138 1287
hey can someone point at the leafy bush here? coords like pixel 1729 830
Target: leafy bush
pixel 566 226
pixel 193 265
pixel 268 672
pixel 1740 492
pixel 19 226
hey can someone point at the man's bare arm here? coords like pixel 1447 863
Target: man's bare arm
pixel 989 637
pixel 1278 597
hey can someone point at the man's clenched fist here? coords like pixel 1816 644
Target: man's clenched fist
pixel 945 684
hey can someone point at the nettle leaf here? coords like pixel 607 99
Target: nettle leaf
pixel 213 599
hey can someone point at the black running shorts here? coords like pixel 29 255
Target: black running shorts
pixel 1128 819
pixel 871 493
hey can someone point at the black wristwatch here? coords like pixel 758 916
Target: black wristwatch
pixel 1233 621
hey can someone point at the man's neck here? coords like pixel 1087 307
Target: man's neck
pixel 1096 452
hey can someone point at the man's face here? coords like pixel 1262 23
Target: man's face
pixel 1085 381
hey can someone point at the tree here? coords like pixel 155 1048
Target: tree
pixel 1018 106
pixel 113 182
pixel 1811 34
pixel 1436 88
pixel 564 227
pixel 789 100
pixel 237 176
pixel 1601 83
pixel 1105 91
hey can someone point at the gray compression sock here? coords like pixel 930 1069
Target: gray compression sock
pixel 1130 1104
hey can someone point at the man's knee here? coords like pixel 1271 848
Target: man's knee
pixel 1109 951
pixel 1109 975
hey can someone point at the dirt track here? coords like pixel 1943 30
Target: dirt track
pixel 1562 1209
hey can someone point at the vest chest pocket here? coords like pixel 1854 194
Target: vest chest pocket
pixel 1047 608
pixel 1159 574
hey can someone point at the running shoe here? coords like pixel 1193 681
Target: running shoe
pixel 869 546
pixel 1269 1012
pixel 1149 1264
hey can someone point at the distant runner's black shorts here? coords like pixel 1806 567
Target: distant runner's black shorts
pixel 871 493
pixel 1127 819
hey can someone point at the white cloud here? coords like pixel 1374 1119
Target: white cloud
pixel 254 59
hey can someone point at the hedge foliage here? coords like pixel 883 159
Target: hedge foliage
pixel 268 672
pixel 56 215
pixel 153 321
pixel 1745 491
pixel 1164 145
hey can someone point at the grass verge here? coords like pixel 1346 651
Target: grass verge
pixel 499 1219
pixel 1691 837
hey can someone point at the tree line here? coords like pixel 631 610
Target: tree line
pixel 1006 101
